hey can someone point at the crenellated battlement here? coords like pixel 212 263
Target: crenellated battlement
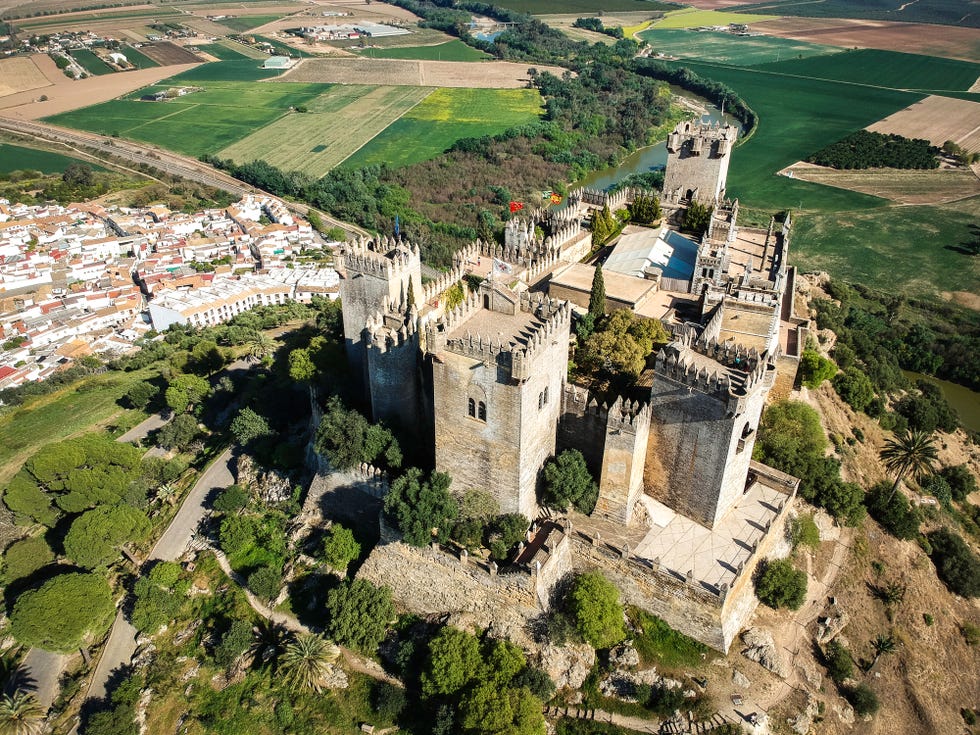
pixel 672 363
pixel 628 416
pixel 385 257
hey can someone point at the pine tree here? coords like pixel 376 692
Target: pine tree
pixel 597 299
pixel 411 293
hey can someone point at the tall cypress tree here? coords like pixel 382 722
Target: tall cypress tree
pixel 597 299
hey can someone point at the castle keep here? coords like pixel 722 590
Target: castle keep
pixel 684 515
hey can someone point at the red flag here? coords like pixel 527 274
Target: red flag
pixel 515 206
pixel 555 198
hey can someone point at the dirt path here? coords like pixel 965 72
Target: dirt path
pixel 354 661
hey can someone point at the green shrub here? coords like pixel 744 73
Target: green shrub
pixel 970 633
pixel 779 584
pixel 265 583
pixel 863 699
pixel 593 605
pixel 854 388
pixel 840 665
pixel 892 510
pixel 234 643
pixel 815 368
pixel 388 700
pixel 23 558
pixel 961 481
pixel 957 566
pixel 340 547
pixel 803 531
pixel 231 499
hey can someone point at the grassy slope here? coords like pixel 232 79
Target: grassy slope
pixel 693 18
pixel 87 404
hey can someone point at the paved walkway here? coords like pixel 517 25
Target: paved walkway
pixel 42 669
pixel 121 646
pixel 142 429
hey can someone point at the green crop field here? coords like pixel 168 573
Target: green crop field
pixel 913 248
pixel 797 117
pixel 886 69
pixel 18 158
pixel 137 58
pixel 444 117
pixel 233 70
pixel 726 48
pixel 201 122
pixel 564 7
pixel 946 12
pixel 79 20
pixel 694 18
pixel 339 121
pixel 242 23
pixel 454 50
pixel 221 51
pixel 90 62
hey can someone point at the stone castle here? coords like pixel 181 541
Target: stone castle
pixel 684 514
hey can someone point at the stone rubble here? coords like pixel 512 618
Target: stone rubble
pixel 761 648
pixel 740 680
pixel 568 665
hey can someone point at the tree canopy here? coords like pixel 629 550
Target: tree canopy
pixel 63 612
pixel 358 614
pixel 95 536
pixel 454 660
pixel 423 510
pixel 340 547
pixel 70 477
pixel 593 604
pixel 617 351
pixel 780 584
pixel 567 481
pixel 348 439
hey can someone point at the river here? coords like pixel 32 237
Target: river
pixel 652 157
pixel 965 401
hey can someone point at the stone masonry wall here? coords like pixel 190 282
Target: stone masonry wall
pixel 582 427
pixel 690 437
pixel 393 378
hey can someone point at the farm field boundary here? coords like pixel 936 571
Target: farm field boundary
pixel 201 122
pixel 487 75
pixel 727 48
pixel 20 74
pixel 454 50
pixel 942 12
pixel 20 158
pixel 884 69
pixel 936 119
pixel 316 141
pixel 914 38
pixel 936 186
pixel 694 18
pixel 559 7
pixel 444 117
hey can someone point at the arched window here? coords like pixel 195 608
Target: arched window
pixel 472 408
pixel 540 400
pixel 482 411
pixel 546 395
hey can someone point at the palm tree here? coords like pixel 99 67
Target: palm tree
pixel 307 661
pixel 270 640
pixel 20 714
pixel 13 675
pixel 259 346
pixel 882 644
pixel 912 452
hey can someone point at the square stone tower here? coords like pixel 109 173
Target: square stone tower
pixel 706 402
pixel 499 362
pixel 380 288
pixel 697 161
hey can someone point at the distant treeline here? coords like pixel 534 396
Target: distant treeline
pixel 865 149
pixel 596 25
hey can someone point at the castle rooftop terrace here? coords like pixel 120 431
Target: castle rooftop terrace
pixel 680 545
pixel 699 361
pixel 746 326
pixel 750 244
pixel 508 329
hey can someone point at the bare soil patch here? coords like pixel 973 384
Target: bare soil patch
pixel 713 4
pixel 937 119
pixel 398 72
pixel 938 186
pixel 963 298
pixel 914 38
pixel 68 95
pixel 20 74
pixel 168 54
